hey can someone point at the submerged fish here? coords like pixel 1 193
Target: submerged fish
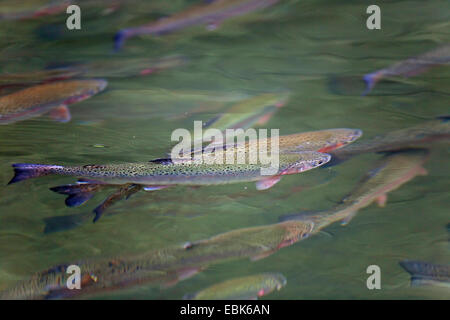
pixel 389 173
pixel 243 288
pixel 29 10
pixel 424 273
pixel 166 265
pixel 36 77
pixel 247 113
pixel 320 141
pixel 156 175
pixel 50 98
pixel 421 135
pixel 103 69
pixel 211 14
pixel 410 67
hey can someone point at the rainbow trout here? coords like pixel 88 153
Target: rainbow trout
pixel 50 98
pixel 246 113
pixel 424 273
pixel 159 174
pixel 320 141
pixel 30 9
pixel 211 14
pixel 410 67
pixel 243 288
pixel 417 136
pixel 171 264
pixel 389 173
pixel 103 69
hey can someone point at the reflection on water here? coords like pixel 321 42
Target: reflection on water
pixel 239 74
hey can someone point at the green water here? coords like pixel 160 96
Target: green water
pixel 296 46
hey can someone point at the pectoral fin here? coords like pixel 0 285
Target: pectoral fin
pixel 60 113
pixel 267 183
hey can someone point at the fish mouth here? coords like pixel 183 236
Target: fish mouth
pixel 325 158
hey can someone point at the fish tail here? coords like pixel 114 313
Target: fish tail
pixel 77 194
pixel 98 211
pixel 445 118
pixel 419 268
pixel 24 171
pixel 119 39
pixel 371 79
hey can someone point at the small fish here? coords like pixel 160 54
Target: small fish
pixel 421 135
pixel 424 273
pixel 389 173
pixel 410 67
pixel 211 14
pixel 103 69
pixel 166 265
pixel 247 113
pixel 52 98
pixel 28 10
pixel 128 67
pixel 243 288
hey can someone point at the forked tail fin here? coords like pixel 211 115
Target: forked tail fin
pixel 119 39
pixel 24 171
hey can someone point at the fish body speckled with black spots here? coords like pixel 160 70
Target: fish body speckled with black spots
pixel 243 288
pixel 410 67
pixel 389 173
pixel 211 14
pixel 166 265
pixel 183 173
pixel 51 97
pixel 427 274
pixel 421 135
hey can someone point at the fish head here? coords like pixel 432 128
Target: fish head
pixel 295 231
pixel 307 160
pixel 280 280
pixel 338 138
